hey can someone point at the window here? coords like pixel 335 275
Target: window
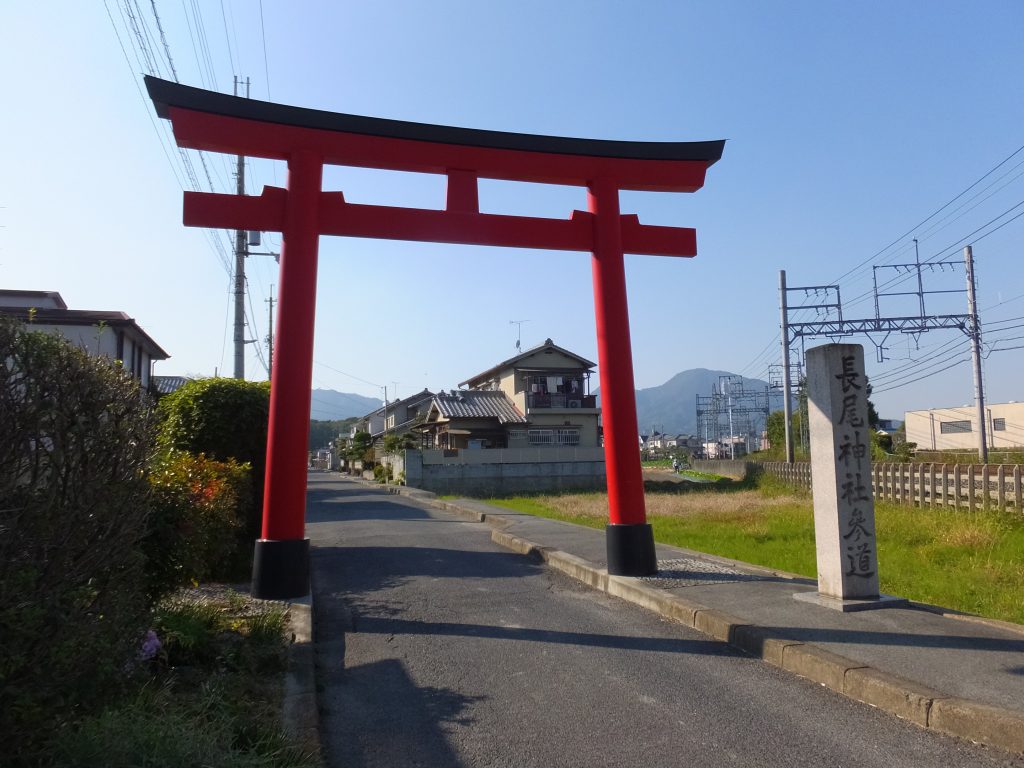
pixel 998 425
pixel 542 437
pixel 954 427
pixel 568 437
pixel 517 434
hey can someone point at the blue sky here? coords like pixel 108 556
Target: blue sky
pixel 847 125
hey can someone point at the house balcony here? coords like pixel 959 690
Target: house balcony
pixel 559 401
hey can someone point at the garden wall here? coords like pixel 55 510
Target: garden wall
pixel 504 472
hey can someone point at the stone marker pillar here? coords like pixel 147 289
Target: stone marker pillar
pixel 844 509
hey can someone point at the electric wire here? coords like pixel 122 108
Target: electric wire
pixel 940 222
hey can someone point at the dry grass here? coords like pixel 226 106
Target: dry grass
pixel 737 506
pixel 972 537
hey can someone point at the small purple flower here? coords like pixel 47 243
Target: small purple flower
pixel 150 646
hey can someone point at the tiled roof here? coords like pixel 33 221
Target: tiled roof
pixel 164 385
pixel 419 397
pixel 476 404
pixel 548 344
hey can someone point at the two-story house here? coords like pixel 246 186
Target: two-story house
pixel 398 416
pixel 110 334
pixel 540 397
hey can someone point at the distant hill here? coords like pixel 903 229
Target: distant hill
pixel 671 408
pixel 329 405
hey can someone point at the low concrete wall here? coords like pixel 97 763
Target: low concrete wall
pixel 492 478
pixel 531 455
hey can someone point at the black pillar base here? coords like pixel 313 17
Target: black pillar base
pixel 631 550
pixel 280 569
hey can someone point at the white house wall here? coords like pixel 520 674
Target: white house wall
pixel 925 427
pixel 104 342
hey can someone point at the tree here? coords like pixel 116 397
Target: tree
pixel 362 444
pixel 872 413
pixel 776 429
pixel 395 442
pixel 223 418
pixel 323 432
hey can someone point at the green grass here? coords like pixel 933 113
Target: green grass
pixel 212 697
pixel 693 473
pixel 970 562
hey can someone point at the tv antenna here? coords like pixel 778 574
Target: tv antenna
pixel 519 333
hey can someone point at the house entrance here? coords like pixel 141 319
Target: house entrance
pixel 309 139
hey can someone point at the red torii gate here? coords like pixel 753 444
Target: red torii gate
pixel 308 139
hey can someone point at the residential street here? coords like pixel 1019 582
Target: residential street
pixel 437 647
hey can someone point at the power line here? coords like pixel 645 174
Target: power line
pixel 949 367
pixel 227 37
pixel 266 65
pixel 766 355
pixel 163 39
pixel 350 375
pixel 931 216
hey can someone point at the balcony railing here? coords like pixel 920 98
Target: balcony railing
pixel 560 401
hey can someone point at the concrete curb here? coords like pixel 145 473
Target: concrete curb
pixel 300 716
pixel 982 723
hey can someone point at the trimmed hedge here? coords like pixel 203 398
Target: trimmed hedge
pixel 224 419
pixel 77 435
pixel 199 505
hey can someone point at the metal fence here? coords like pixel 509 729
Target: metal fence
pixel 970 486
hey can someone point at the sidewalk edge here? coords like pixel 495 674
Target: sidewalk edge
pixel 928 708
pixel 300 714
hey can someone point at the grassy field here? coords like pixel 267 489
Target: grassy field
pixel 968 562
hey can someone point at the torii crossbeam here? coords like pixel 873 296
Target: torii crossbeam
pixel 309 139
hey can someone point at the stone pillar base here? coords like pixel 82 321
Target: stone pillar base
pixel 631 550
pixel 280 569
pixel 852 604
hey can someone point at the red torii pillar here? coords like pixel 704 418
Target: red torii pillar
pixel 309 139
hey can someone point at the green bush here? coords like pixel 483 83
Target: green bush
pixel 223 419
pixel 156 730
pixel 76 438
pixel 199 505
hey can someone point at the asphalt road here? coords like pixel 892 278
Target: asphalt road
pixel 438 648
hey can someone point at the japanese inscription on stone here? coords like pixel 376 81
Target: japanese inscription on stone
pixel 844 513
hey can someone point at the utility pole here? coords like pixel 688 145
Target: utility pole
pixel 240 253
pixel 787 408
pixel 270 330
pixel 975 334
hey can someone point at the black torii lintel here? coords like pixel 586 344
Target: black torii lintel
pixel 166 94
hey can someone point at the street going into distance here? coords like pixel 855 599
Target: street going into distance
pixel 437 647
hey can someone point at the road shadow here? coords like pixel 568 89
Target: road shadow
pixel 376 715
pixel 868 637
pixel 369 509
pixel 389 625
pixel 368 569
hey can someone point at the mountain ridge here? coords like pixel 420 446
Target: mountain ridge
pixel 669 408
pixel 331 405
